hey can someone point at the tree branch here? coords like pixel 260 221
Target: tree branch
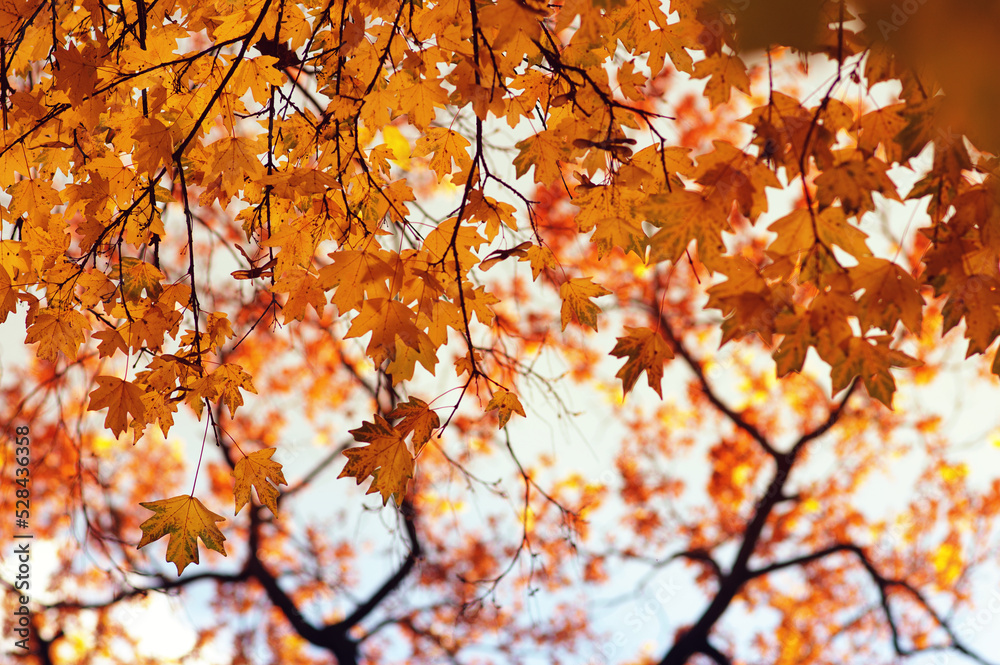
pixel 706 388
pixel 408 512
pixel 693 640
pixel 883 584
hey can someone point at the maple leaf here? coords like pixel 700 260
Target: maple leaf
pixel 138 276
pixel 154 144
pixel 419 98
pixel 258 74
pixel 791 352
pixel 809 237
pixel 870 359
pixel 147 331
pixel 508 17
pixel 219 329
pixel 185 519
pixel 158 410
pixel 880 127
pixel 229 380
pixel 55 330
pixel 577 306
pixel 611 210
pixel 357 275
pixel 494 213
pixel 303 289
pixel 506 403
pixel 262 473
pixel 297 240
pixel 829 316
pixel 749 303
pixel 684 216
pixel 467 363
pixel 404 362
pixel 853 181
pixel 539 258
pixel 111 341
pixel 235 158
pixel 8 296
pixel 729 174
pixel 647 351
pixel 121 398
pixel 723 72
pixel 94 287
pixel 385 320
pixel 544 151
pixel 446 240
pixel 417 417
pixel 446 146
pixel 981 308
pixel 890 294
pixel 386 459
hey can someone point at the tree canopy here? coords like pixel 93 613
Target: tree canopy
pixel 397 241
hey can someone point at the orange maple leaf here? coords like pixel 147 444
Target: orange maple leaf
pixel 185 519
pixel 258 470
pixel 122 398
pixel 8 295
pixel 723 72
pixel 386 459
pixel 230 379
pixel 647 351
pixel 417 418
pixel 385 320
pixel 891 295
pixel 57 329
pixel 506 403
pixel 577 306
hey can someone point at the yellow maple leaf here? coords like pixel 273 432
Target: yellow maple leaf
pixel 445 241
pixel 576 294
pixel 419 98
pixel 111 341
pixel 386 459
pixel 185 519
pixel 154 144
pixel 809 239
pixel 121 398
pixel 880 127
pixel 507 403
pixel 257 469
pixel 404 362
pixel 494 213
pixel 539 258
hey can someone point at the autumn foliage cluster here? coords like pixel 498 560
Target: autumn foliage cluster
pixel 404 234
